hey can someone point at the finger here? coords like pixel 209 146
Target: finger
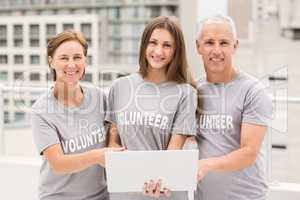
pixel 157 189
pixel 145 191
pixel 152 188
pixel 167 192
pixel 119 149
pixel 149 187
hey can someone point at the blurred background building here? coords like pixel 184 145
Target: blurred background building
pixel 269 49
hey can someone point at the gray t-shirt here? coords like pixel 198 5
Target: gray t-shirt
pixel 77 130
pixel 224 108
pixel 147 115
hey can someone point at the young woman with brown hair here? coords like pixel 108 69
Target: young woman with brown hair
pixel 154 109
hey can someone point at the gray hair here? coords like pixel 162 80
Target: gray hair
pixel 219 18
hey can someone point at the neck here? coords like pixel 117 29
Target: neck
pixel 68 95
pixel 156 76
pixel 223 77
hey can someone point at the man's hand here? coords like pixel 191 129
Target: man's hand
pixel 202 169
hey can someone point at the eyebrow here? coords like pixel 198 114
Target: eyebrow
pixel 76 54
pixel 166 41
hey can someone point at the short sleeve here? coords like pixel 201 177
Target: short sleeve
pixel 185 117
pixel 110 113
pixel 44 134
pixel 257 107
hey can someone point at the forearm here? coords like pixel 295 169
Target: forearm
pixel 65 164
pixel 233 161
pixel 176 142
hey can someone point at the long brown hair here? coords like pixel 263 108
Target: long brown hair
pixel 62 37
pixel 177 69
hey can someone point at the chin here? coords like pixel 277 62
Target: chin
pixel 215 69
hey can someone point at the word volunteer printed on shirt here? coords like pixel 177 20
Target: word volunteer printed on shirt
pixel 220 121
pixel 84 141
pixel 143 118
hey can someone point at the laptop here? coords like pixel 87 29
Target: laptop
pixel 128 171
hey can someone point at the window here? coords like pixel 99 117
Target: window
pixel 116 29
pixel 18 42
pixel 6 117
pixel 50 30
pixel 3 31
pixel 35 76
pixel 116 45
pixel 19 116
pixel 6 101
pixel 18 75
pixel 3 59
pixel 88 77
pixel 34 59
pixel 3 42
pixel 105 76
pixel 34 42
pixel 114 13
pixel 19 102
pixel 86 29
pixel 34 30
pixel 154 11
pixel 68 27
pixel 3 76
pixel 18 59
pixel 18 30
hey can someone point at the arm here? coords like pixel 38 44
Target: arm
pixel 176 141
pixel 113 136
pixel 64 164
pixel 251 139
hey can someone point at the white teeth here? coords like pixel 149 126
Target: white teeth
pixel 217 59
pixel 70 73
pixel 157 59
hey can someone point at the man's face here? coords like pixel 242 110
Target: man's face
pixel 216 45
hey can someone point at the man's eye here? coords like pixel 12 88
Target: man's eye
pixel 209 43
pixel 224 43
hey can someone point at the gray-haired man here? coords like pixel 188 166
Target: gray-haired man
pixel 233 120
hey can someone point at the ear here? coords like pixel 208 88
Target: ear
pixel 236 44
pixel 50 61
pixel 198 47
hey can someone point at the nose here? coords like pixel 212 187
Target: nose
pixel 71 63
pixel 158 50
pixel 216 49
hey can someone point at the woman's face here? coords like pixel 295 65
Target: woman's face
pixel 69 62
pixel 160 49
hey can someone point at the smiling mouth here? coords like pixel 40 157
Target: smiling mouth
pixel 216 59
pixel 156 59
pixel 70 73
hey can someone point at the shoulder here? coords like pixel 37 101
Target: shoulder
pixel 94 91
pixel 126 83
pixel 187 90
pixel 250 83
pixel 43 100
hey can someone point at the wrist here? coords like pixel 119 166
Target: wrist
pixel 205 165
